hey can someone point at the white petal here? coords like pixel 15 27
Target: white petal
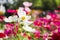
pixel 28 22
pixel 28 17
pixel 29 29
pixel 7 20
pixel 21 12
pixel 2 8
pixel 15 18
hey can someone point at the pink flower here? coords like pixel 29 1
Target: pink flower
pixel 57 11
pixel 56 21
pixel 37 34
pixel 37 23
pixel 9 29
pixel 1 18
pixel 45 35
pixel 47 26
pixel 9 26
pixel 59 29
pixel 27 4
pixel 27 10
pixel 11 11
pixel 53 15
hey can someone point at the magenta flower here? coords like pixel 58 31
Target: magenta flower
pixel 47 26
pixel 37 34
pixel 11 11
pixel 11 29
pixel 59 29
pixel 56 21
pixel 37 23
pixel 8 32
pixel 53 15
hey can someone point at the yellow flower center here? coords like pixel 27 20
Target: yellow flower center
pixel 23 17
pixel 1 13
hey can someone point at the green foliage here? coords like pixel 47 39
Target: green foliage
pixel 37 3
pixel 45 4
pixel 57 2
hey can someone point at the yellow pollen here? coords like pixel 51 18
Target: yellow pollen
pixel 23 17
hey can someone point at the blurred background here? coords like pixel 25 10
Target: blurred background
pixel 37 4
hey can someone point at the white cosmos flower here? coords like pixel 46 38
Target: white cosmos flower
pixel 29 29
pixel 11 19
pixel 2 8
pixel 23 17
pixel 22 14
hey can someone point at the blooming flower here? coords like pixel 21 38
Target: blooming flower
pixel 23 17
pixel 59 29
pixel 27 4
pixel 10 29
pixel 1 18
pixel 27 10
pixel 11 19
pixel 37 34
pixel 2 35
pixel 11 11
pixel 37 23
pixel 45 36
pixel 2 9
pixel 56 36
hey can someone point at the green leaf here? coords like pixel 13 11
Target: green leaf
pixel 40 39
pixel 25 39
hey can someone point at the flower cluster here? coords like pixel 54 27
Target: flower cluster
pixel 19 25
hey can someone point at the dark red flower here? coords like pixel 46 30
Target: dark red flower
pixel 2 35
pixel 56 36
pixel 1 18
